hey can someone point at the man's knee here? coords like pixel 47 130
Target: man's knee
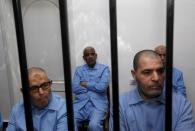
pixel 94 125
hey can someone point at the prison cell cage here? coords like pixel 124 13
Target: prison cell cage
pixel 114 62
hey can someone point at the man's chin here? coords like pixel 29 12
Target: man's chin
pixel 41 105
pixel 91 65
pixel 155 95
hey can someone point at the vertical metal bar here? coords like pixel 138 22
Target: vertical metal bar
pixel 66 62
pixel 114 61
pixel 169 64
pixel 23 63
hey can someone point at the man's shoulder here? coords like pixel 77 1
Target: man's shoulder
pixel 125 94
pixel 128 97
pixel 58 99
pixel 177 71
pixel 81 67
pixel 129 93
pixel 101 66
pixel 19 106
pixel 57 102
pixel 179 100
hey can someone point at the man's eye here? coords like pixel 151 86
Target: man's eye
pixel 86 55
pixel 44 85
pixel 146 72
pixel 160 71
pixel 32 88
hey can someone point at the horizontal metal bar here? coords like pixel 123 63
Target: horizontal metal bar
pixel 57 82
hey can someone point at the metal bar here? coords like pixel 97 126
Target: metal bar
pixel 114 62
pixel 57 81
pixel 23 63
pixel 66 62
pixel 169 64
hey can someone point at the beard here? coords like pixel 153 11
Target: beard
pixel 41 102
pixel 150 92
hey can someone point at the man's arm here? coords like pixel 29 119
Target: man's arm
pixel 77 88
pixel 102 84
pixel 185 120
pixel 12 122
pixel 179 82
pixel 62 124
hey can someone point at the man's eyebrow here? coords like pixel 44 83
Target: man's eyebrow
pixel 144 70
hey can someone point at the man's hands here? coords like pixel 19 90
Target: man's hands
pixel 83 84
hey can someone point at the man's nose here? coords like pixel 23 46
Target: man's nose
pixel 90 55
pixel 40 91
pixel 163 58
pixel 155 76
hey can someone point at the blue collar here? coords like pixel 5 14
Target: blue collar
pixel 94 68
pixel 135 98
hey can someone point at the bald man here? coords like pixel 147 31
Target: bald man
pixel 143 108
pixel 178 82
pixel 90 85
pixel 48 109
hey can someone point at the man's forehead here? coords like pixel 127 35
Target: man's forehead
pixel 37 75
pixel 149 60
pixel 89 49
pixel 161 50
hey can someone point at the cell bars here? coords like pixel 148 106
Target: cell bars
pixel 114 63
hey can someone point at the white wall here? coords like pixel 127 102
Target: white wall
pixel 9 68
pixel 141 25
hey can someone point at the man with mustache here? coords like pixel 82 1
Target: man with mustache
pixel 48 109
pixel 143 108
pixel 90 85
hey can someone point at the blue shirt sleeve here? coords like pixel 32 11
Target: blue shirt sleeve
pixel 12 120
pixel 111 121
pixel 178 82
pixel 62 124
pixel 77 89
pixel 185 120
pixel 102 84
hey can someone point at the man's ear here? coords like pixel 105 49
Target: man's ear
pixel 133 73
pixel 83 57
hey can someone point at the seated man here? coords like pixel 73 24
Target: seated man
pixel 90 85
pixel 48 109
pixel 143 108
pixel 178 82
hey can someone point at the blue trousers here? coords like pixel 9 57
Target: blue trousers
pixel 91 114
